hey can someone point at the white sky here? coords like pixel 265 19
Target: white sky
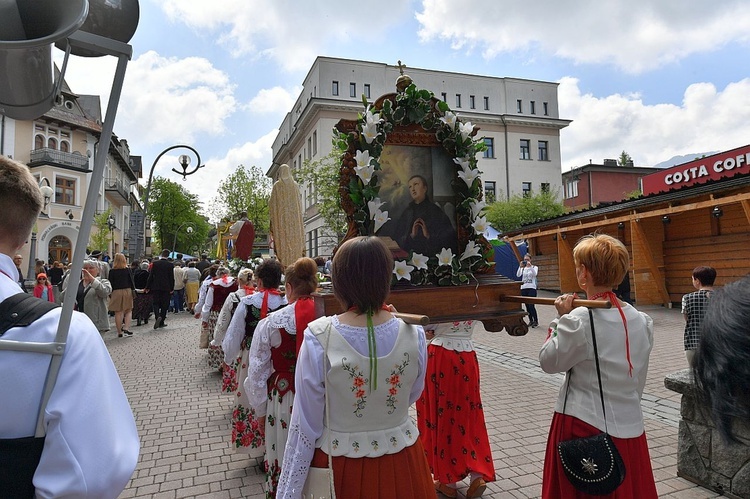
pixel 656 79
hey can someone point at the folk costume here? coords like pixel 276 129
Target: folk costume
pixel 369 414
pixel 624 338
pixel 247 435
pixel 270 379
pixel 202 292
pixel 216 295
pixel 229 371
pixel 449 412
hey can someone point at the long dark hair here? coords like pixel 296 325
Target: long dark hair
pixel 722 361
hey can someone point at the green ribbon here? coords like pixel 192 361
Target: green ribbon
pixel 372 352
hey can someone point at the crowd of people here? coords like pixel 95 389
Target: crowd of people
pixel 330 396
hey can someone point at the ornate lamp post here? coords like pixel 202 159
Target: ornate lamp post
pixel 47 193
pixel 184 161
pixel 111 226
pixel 189 230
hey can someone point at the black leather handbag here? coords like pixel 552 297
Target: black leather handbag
pixel 592 464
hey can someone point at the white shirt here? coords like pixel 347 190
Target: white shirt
pixel 225 316
pixel 208 302
pixel 309 401
pixel 179 278
pixel 528 276
pixel 92 444
pixel 232 344
pixel 570 347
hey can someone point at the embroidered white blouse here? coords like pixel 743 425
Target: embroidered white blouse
pixel 307 423
pixel 225 316
pixel 232 343
pixel 569 346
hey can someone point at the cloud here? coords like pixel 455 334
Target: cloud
pixel 163 99
pixel 276 100
pixel 632 38
pixel 291 33
pixel 708 119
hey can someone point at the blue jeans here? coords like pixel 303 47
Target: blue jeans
pixel 530 308
pixel 178 300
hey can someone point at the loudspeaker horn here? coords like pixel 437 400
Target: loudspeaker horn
pixel 113 19
pixel 28 28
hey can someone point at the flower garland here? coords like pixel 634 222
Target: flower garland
pixel 368 212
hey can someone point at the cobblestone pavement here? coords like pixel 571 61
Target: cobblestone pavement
pixel 183 419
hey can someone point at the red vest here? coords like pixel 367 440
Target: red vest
pixel 220 295
pixel 284 359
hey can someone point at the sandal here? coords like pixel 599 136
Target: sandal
pixel 445 490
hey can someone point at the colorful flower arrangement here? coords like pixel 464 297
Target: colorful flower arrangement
pixel 364 146
pixel 237 264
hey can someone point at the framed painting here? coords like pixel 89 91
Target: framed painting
pixel 409 175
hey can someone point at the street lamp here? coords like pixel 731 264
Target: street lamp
pixel 184 161
pixel 47 193
pixel 174 242
pixel 111 225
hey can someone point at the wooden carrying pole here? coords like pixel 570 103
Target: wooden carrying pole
pixel 551 301
pixel 421 320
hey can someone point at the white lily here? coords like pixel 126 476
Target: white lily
pixel 480 225
pixel 472 249
pixel 477 207
pixel 363 158
pixel 370 131
pixel 445 257
pixel 419 261
pixel 463 163
pixel 449 119
pixel 371 118
pixel 402 270
pixel 469 176
pixel 380 218
pixel 465 129
pixel 365 172
pixel 374 206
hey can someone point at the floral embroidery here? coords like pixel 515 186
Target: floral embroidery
pixel 374 444
pixel 246 431
pixel 358 383
pixel 408 434
pixel 335 443
pixel 229 377
pixel 394 442
pixel 355 446
pixel 395 381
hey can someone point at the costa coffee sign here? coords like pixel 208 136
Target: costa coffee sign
pixel 717 166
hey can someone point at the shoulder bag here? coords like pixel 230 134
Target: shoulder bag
pixel 592 464
pixel 319 482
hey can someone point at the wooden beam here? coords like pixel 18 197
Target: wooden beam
pixel 514 248
pixel 566 266
pixel 737 198
pixel 746 206
pixel 640 237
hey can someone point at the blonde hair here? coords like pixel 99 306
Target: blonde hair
pixel 119 262
pixel 605 257
pixel 20 201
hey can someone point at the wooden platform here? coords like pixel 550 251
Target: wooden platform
pixel 451 303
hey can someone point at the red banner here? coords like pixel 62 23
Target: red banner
pixel 714 167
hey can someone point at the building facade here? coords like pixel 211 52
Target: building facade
pixel 590 185
pixel 59 148
pixel 518 119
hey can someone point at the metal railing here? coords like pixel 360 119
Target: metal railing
pixel 45 155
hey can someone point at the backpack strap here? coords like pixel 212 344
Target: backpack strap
pixel 21 309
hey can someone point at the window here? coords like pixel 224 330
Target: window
pixel 525 149
pixel 299 161
pixel 526 187
pixel 545 108
pixel 472 102
pixel 458 100
pixel 367 90
pixel 486 103
pixel 335 88
pixel 352 90
pixel 490 192
pixel 39 142
pixel 543 150
pixel 315 143
pixel 545 187
pixel 532 107
pixel 52 143
pixel 490 151
pixel 65 191
pixel 571 189
pixel 519 106
pixel 309 147
pixel 444 96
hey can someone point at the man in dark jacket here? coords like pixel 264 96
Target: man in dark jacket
pixel 203 264
pixel 161 284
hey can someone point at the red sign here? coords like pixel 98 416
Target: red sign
pixel 717 166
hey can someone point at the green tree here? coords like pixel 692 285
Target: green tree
pixel 323 176
pixel 247 189
pixel 624 159
pixel 172 209
pixel 101 237
pixel 521 210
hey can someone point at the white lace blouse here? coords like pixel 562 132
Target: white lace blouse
pixel 309 403
pixel 225 316
pixel 232 343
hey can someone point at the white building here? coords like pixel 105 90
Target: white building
pixel 518 119
pixel 59 149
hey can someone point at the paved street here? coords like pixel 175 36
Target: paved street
pixel 183 420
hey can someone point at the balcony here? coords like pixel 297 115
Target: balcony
pixel 116 192
pixel 52 157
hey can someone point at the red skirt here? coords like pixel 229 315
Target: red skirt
pixel 404 475
pixel 451 419
pixel 639 477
